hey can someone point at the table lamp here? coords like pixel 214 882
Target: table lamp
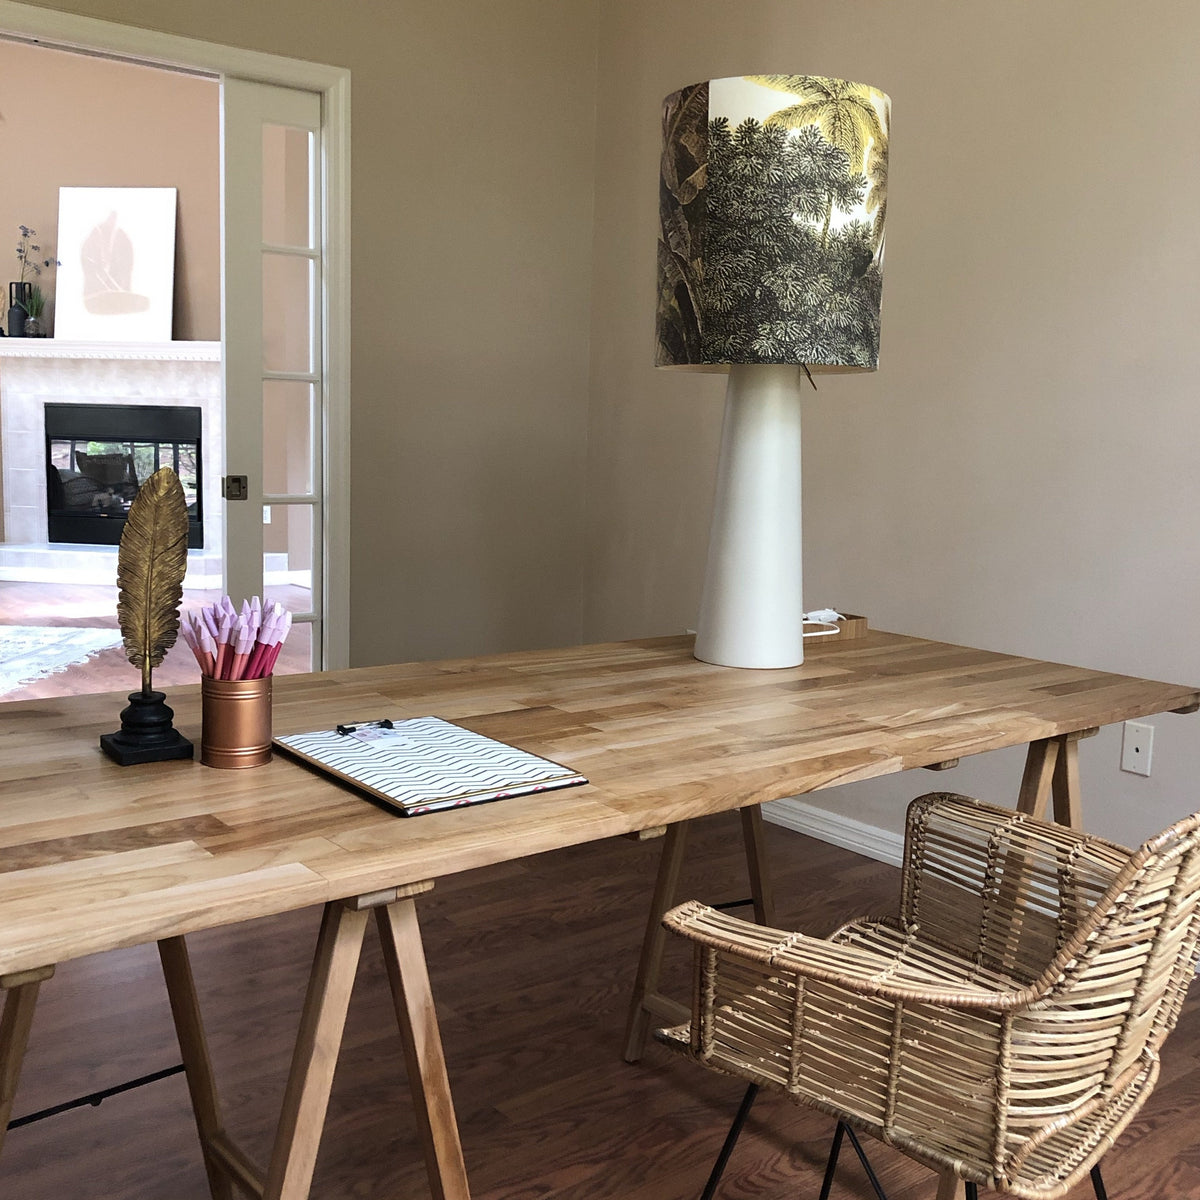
pixel 770 268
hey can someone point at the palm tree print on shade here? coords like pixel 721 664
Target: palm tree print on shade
pixel 682 179
pixel 779 285
pixel 771 230
pixel 848 115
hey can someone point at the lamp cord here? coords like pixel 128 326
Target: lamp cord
pixel 826 618
pixel 830 628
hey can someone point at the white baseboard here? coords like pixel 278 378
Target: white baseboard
pixel 883 845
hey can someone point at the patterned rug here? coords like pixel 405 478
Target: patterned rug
pixel 31 652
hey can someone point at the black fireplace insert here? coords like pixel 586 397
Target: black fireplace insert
pixel 98 455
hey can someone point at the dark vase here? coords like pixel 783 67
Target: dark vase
pixel 18 294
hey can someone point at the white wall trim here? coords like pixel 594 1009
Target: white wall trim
pixel 884 845
pixel 56 348
pixel 87 34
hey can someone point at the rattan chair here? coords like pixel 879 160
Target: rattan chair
pixel 1004 1027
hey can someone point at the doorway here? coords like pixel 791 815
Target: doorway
pixel 282 216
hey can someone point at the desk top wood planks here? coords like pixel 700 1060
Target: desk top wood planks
pixel 94 856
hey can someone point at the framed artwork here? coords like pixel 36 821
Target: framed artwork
pixel 116 274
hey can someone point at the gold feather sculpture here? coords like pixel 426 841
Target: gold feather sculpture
pixel 151 564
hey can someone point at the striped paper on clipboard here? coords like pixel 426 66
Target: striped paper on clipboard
pixel 425 764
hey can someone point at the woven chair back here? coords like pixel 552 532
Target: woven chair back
pixel 1104 938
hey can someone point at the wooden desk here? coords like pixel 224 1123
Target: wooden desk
pixel 94 856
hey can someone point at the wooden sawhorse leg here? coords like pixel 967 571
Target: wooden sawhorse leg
pixel 322 1023
pixel 950 1187
pixel 647 1000
pixel 307 1094
pixel 20 999
pixel 223 1160
pixel 1051 777
pixel 423 1055
pixel 1052 774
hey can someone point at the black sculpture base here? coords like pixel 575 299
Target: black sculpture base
pixel 146 733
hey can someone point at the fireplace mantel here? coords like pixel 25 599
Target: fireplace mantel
pixel 112 351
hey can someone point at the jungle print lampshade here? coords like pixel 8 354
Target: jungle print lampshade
pixel 772 203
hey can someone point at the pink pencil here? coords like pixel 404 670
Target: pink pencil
pixel 254 666
pixel 228 649
pixel 224 627
pixel 231 662
pixel 189 637
pixel 208 648
pixel 210 620
pixel 245 639
pixel 275 650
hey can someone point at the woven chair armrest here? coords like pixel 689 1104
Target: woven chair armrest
pixel 851 967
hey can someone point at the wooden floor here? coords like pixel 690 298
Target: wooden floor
pixel 531 965
pixel 95 607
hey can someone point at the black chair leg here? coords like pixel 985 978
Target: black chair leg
pixel 844 1130
pixel 710 1188
pixel 834 1150
pixel 862 1158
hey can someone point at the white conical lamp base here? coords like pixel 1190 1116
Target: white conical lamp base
pixel 751 613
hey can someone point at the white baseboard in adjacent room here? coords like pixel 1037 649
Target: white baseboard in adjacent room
pixel 883 845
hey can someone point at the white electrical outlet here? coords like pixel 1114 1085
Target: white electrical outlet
pixel 1137 744
pixel 266 514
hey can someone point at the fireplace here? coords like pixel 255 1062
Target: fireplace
pixel 98 455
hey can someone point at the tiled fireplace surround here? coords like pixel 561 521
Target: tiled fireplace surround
pixel 35 372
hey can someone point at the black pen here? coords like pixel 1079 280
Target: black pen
pixel 345 729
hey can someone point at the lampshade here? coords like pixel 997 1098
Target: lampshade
pixel 772 201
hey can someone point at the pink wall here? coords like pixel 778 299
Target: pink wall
pixel 69 120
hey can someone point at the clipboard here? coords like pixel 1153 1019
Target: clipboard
pixel 426 764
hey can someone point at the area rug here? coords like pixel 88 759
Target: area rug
pixel 31 652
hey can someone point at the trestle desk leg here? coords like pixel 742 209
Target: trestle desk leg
pixel 20 1000
pixel 761 889
pixel 1068 804
pixel 645 986
pixel 223 1161
pixel 1052 772
pixel 408 976
pixel 1040 761
pixel 321 1024
pixel 647 1001
pixel 950 1187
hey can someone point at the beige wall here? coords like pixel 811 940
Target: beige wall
pixel 1021 473
pixel 71 121
pixel 472 196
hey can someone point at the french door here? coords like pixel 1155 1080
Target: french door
pixel 274 356
pixel 285 319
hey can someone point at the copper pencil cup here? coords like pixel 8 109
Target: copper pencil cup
pixel 237 722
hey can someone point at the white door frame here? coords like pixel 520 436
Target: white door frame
pixel 70 32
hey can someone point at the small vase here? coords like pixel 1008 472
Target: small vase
pixel 33 327
pixel 18 294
